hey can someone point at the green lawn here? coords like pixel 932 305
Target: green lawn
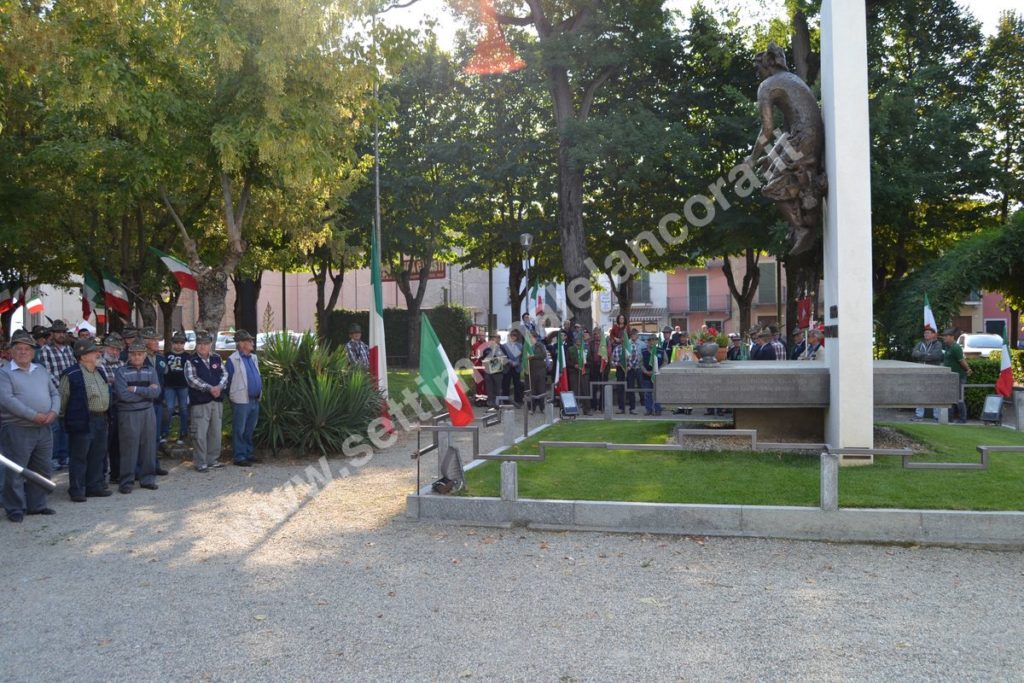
pixel 761 478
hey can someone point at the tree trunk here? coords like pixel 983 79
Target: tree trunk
pixel 247 295
pixel 573 238
pixel 413 302
pixel 1014 327
pixel 213 289
pixel 744 295
pixel 167 316
pixel 320 265
pixel 623 295
pixel 515 294
pixel 147 312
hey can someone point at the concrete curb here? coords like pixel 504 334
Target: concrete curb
pixel 940 527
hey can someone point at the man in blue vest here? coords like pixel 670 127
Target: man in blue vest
pixel 84 400
pixel 156 360
pixel 246 385
pixel 207 382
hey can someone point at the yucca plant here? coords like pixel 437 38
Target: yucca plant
pixel 313 400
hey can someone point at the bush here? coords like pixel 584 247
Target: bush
pixel 312 399
pixel 986 371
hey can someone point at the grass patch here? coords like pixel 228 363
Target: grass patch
pixel 760 478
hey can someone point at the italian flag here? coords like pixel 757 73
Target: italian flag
pixel 378 349
pixel 6 299
pixel 929 317
pixel 91 293
pixel 101 316
pixel 179 269
pixel 34 305
pixel 561 376
pixel 439 378
pixel 115 296
pixel 1004 385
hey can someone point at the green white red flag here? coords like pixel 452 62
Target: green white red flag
pixel 179 269
pixel 439 378
pixel 115 296
pixel 1004 385
pixel 34 305
pixel 6 299
pixel 378 349
pixel 561 376
pixel 929 317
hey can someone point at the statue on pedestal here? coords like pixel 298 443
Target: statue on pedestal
pixel 791 158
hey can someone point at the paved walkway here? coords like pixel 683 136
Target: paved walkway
pixel 218 577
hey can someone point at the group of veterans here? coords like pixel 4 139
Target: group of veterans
pixel 102 407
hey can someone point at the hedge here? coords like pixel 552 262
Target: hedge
pixel 986 371
pixel 450 323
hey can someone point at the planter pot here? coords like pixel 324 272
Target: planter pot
pixel 708 353
pixel 722 353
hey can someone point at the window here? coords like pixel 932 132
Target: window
pixel 717 324
pixel 997 326
pixel 766 293
pixel 698 288
pixel 641 285
pixel 973 298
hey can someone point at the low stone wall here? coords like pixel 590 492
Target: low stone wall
pixel 984 529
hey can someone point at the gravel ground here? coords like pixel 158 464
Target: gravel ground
pixel 218 577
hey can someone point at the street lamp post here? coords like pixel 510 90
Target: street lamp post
pixel 526 240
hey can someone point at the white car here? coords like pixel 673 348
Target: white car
pixel 979 345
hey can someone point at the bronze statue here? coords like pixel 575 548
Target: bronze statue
pixel 793 166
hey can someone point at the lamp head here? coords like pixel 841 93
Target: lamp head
pixel 526 240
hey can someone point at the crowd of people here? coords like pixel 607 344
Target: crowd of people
pixel 592 358
pixel 103 407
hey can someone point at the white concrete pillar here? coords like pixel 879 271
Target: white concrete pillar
pixel 847 233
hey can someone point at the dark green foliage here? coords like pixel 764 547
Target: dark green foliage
pixel 450 323
pixel 312 400
pixel 986 371
pixel 991 259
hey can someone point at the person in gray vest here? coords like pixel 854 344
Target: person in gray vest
pixel 29 404
pixel 207 382
pixel 84 400
pixel 246 385
pixel 136 387
pixel 930 352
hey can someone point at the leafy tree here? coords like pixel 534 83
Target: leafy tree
pixel 584 46
pixel 1002 77
pixel 923 60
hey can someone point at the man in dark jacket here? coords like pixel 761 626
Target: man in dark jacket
pixel 85 399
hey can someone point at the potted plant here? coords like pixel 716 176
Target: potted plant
pixel 708 342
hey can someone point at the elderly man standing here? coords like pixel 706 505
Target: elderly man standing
pixel 246 385
pixel 84 400
pixel 136 387
pixel 207 381
pixel 111 361
pixel 57 357
pixel 29 403
pixel 929 351
pixel 357 350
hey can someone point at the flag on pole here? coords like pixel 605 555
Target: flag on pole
pixel 91 293
pixel 929 317
pixel 524 359
pixel 6 299
pixel 561 376
pixel 179 269
pixel 101 316
pixel 537 296
pixel 115 297
pixel 378 349
pixel 439 378
pixel 1004 385
pixel 493 54
pixel 602 349
pixel 34 305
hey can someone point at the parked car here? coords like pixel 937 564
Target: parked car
pixel 225 341
pixel 978 345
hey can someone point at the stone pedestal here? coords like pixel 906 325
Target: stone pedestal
pixel 509 480
pixel 791 425
pixel 829 482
